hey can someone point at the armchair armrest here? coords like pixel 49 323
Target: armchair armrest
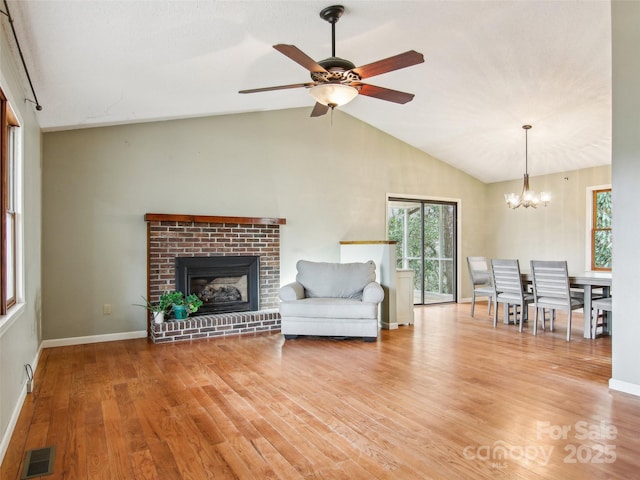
pixel 291 291
pixel 372 293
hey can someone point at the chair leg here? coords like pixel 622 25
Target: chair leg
pixel 473 303
pixel 495 314
pixel 569 326
pixel 522 310
pixel 595 322
pixel 535 320
pixel 489 301
pixel 512 312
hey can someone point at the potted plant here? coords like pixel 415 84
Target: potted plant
pixel 183 306
pixel 160 309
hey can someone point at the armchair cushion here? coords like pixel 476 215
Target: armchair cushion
pixel 335 280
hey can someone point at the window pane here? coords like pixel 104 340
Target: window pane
pixel 601 230
pixel 603 209
pixel 602 248
pixel 448 231
pixel 396 229
pixel 10 286
pixel 416 266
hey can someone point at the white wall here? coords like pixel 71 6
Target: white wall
pixel 19 333
pixel 329 182
pixel 626 196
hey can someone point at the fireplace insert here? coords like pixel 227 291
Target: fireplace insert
pixel 224 284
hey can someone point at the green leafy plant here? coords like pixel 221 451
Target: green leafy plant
pixel 163 305
pixel 169 299
pixel 192 302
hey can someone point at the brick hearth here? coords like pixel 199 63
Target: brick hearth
pixel 170 236
pixel 206 326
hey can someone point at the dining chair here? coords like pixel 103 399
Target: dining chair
pixel 551 290
pixel 509 290
pixel 600 310
pixel 481 281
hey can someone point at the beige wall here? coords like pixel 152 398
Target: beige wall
pixel 329 182
pixel 555 232
pixel 19 332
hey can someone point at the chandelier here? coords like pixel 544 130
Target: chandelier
pixel 528 198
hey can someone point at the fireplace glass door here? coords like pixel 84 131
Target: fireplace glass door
pixel 224 284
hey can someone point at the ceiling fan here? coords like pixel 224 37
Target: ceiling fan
pixel 336 81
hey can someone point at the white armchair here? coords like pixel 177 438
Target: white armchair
pixel 332 299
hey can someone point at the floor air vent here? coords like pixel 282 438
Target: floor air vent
pixel 38 462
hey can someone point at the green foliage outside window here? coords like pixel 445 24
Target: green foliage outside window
pixel 438 244
pixel 602 230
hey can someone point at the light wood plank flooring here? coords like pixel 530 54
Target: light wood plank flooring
pixel 448 398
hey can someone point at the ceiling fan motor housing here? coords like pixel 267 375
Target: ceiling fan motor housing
pixel 337 70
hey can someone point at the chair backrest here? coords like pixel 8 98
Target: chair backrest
pixel 506 277
pixel 479 271
pixel 550 280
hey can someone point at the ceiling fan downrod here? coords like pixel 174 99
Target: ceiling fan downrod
pixel 332 14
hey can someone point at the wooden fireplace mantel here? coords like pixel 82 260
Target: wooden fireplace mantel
pixel 169 217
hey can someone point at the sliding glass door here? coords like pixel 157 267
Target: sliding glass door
pixel 426 234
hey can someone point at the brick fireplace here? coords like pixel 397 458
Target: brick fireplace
pixel 170 236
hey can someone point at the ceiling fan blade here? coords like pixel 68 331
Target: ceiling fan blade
pixel 279 87
pixel 298 56
pixel 396 62
pixel 319 110
pixel 385 93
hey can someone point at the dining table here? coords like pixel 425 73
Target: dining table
pixel 587 282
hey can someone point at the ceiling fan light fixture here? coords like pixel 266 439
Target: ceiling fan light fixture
pixel 333 94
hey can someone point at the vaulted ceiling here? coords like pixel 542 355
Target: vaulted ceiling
pixel 490 67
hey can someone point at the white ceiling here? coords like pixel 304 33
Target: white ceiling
pixel 490 67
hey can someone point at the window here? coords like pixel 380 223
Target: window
pixel 8 202
pixel 601 229
pixel 426 236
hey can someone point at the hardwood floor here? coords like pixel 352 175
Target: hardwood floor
pixel 450 397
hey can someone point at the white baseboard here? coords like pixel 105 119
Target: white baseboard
pixel 624 387
pixel 13 420
pixel 109 337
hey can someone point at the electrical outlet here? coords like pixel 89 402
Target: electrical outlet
pixel 106 309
